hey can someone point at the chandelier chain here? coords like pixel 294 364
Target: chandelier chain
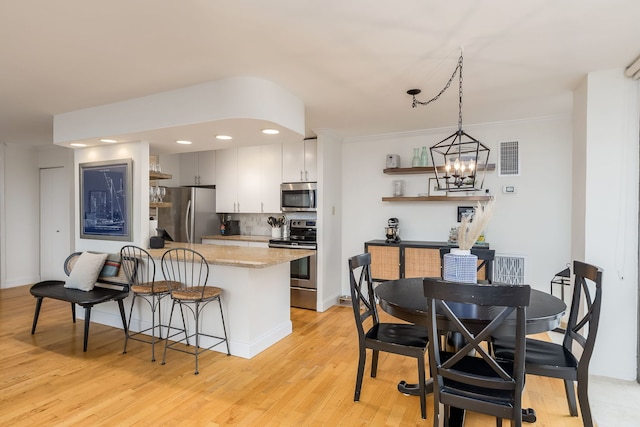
pixel 460 94
pixel 435 98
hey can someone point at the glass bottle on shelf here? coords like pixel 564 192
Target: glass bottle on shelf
pixel 423 157
pixel 415 162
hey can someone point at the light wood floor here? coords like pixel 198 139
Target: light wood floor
pixel 306 379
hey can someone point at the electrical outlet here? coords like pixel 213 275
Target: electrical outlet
pixel 509 189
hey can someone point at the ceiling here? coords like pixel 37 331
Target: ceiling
pixel 350 62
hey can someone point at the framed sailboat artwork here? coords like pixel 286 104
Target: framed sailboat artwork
pixel 105 200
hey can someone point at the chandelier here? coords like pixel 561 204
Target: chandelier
pixel 459 158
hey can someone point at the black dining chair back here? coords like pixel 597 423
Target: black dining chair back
pixel 479 382
pixel 566 361
pixel 486 258
pixel 398 338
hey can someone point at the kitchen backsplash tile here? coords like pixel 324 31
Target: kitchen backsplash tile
pixel 255 224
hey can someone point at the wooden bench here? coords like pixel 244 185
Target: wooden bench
pixel 106 289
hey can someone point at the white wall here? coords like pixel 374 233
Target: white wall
pixel 139 153
pixel 533 222
pixel 329 218
pixel 606 210
pixel 21 238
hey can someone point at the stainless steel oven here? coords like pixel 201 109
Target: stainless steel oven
pixel 303 278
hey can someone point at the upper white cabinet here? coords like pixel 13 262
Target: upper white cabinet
pixel 227 180
pixel 270 177
pixel 248 179
pixel 198 168
pixel 299 161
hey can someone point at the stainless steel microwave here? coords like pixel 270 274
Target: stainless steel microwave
pixel 298 197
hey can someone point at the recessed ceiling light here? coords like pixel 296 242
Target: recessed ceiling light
pixel 77 144
pixel 225 137
pixel 271 131
pixel 184 142
pixel 112 141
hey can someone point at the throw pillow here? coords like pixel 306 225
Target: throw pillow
pixel 85 271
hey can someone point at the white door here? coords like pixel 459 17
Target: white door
pixel 55 216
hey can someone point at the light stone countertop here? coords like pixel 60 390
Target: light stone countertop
pixel 240 237
pixel 238 256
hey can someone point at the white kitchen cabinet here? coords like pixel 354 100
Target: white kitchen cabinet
pixel 299 161
pixel 227 180
pixel 249 188
pixel 198 168
pixel 248 179
pixel 270 177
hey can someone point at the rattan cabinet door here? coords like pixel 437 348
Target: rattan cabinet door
pixel 421 262
pixel 385 262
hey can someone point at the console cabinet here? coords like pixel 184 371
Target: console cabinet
pixel 406 259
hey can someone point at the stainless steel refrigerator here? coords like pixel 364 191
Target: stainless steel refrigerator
pixel 192 214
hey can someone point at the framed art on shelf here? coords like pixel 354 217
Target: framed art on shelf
pixel 105 200
pixel 465 211
pixel 435 189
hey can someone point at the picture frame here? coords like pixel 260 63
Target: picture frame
pixel 435 189
pixel 106 209
pixel 464 211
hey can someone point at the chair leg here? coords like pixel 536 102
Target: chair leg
pixel 126 337
pixel 184 325
pixel 197 316
pixel 36 314
pixel 571 397
pixel 153 328
pixel 361 361
pixel 224 328
pixel 374 363
pixel 166 343
pixel 438 415
pixel 73 312
pixel 583 398
pixel 87 322
pixel 421 382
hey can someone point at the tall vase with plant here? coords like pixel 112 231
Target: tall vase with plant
pixel 460 265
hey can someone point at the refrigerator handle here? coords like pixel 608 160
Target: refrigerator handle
pixel 187 221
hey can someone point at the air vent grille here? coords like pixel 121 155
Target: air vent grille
pixel 509 159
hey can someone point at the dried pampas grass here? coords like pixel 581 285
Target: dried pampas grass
pixel 472 226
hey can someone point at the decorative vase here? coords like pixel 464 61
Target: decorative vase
pixel 460 266
pixel 423 157
pixel 415 162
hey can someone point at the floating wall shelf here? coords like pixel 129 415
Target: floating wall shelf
pixel 428 169
pixel 437 199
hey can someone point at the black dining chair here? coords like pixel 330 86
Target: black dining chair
pixel 486 258
pixel 479 383
pixel 398 338
pixel 548 359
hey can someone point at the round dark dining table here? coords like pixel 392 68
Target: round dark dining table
pixel 404 299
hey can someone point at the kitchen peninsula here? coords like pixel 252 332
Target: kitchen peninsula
pixel 256 295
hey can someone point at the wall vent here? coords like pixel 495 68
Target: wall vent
pixel 508 269
pixel 509 159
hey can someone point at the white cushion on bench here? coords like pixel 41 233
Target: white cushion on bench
pixel 85 271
